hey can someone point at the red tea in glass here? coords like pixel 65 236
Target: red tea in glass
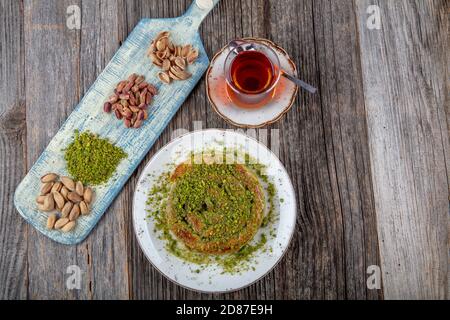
pixel 252 72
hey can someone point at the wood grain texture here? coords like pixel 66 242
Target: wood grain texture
pixel 406 93
pixel 368 155
pixel 52 61
pixel 106 249
pixel 335 241
pixel 345 143
pixel 13 236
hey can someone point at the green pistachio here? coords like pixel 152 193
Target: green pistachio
pixel 91 159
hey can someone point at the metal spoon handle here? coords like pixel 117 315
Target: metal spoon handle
pixel 300 83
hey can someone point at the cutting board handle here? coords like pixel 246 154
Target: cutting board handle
pixel 198 10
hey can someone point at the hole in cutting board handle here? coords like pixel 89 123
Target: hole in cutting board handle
pixel 205 4
pixel 198 10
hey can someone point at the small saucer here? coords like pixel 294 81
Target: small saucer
pixel 279 104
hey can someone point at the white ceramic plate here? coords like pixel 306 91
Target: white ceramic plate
pixel 279 105
pixel 211 279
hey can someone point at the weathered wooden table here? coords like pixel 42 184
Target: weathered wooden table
pixel 368 155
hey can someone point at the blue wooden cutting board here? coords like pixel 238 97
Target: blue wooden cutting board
pixel 89 115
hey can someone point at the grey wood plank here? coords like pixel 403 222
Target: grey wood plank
pixel 336 238
pixel 405 66
pixel 345 141
pixel 106 247
pixel 13 230
pixel 52 90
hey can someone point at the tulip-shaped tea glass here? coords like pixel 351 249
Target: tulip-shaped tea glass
pixel 252 72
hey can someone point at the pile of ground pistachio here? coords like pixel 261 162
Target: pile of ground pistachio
pixel 91 159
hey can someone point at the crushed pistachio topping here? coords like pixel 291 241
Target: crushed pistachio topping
pixel 196 195
pixel 211 199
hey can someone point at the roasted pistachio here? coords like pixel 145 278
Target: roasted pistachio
pixel 166 55
pixel 69 226
pixel 49 203
pixel 88 195
pixel 79 188
pixel 74 197
pixel 57 186
pixel 59 199
pixel 68 183
pixel 75 212
pixel 51 221
pixel 46 188
pixel 49 177
pixel 61 223
pixel 65 212
pixel 84 208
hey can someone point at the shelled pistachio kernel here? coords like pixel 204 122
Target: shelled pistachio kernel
pixel 69 226
pixel 54 195
pixel 51 221
pixel 61 222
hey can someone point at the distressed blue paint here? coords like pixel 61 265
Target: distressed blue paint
pixel 89 115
